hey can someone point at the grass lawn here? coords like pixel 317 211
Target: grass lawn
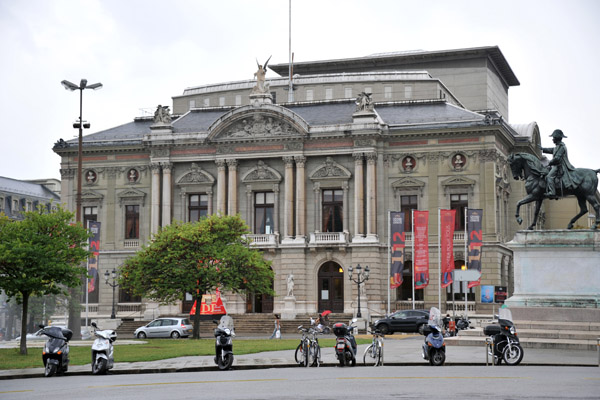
pixel 155 349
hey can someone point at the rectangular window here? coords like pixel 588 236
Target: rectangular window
pixel 387 92
pixel 459 202
pixel 263 212
pixel 192 104
pixel 348 92
pixel 238 99
pixel 274 96
pixel 127 297
pixel 15 206
pixel 1 204
pixel 407 204
pixel 333 210
pixel 89 214
pixel 207 102
pixel 408 92
pixel 328 93
pixel 221 101
pixel 197 207
pixel 309 95
pixel 132 222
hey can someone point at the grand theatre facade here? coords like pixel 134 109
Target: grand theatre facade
pixel 316 177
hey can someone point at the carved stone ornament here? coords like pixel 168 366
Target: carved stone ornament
pixel 160 153
pixel 262 173
pixel 408 164
pixel 331 169
pixel 459 161
pixel 162 115
pixel 408 184
pixel 258 126
pixel 364 103
pixel 131 196
pixel 133 175
pixel 90 177
pixel 195 175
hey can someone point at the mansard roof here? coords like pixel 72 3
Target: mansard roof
pixel 24 188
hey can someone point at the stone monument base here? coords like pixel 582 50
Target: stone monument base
pixel 289 308
pixel 556 268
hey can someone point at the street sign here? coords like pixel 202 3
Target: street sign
pixel 466 275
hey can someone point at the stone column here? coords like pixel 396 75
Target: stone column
pixel 185 215
pixel 300 197
pixel 346 217
pixel 250 208
pixel 232 187
pixel 155 198
pixel 276 209
pixel 359 196
pixel 371 194
pixel 288 210
pixel 166 193
pixel 221 188
pixel 210 202
pixel 318 207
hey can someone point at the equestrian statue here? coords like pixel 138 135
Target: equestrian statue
pixel 559 179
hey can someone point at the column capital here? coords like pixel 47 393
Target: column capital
pixel 371 158
pixel 166 166
pixel 155 167
pixel 221 164
pixel 358 158
pixel 288 161
pixel 232 163
pixel 300 161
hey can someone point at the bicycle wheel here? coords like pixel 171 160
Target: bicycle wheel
pixel 305 351
pixel 370 357
pixel 299 355
pixel 380 346
pixel 315 354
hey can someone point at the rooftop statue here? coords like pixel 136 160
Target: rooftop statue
pixel 558 180
pixel 364 102
pixel 261 86
pixel 161 115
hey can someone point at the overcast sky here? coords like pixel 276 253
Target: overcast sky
pixel 146 51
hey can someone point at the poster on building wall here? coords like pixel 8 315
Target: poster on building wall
pixel 397 245
pixel 474 242
pixel 447 245
pixel 487 294
pixel 421 243
pixel 94 245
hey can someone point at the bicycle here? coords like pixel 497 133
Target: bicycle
pixel 314 352
pixel 301 354
pixel 374 353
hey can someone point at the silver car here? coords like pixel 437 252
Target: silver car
pixel 173 327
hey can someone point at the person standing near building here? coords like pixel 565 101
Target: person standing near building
pixel 277 329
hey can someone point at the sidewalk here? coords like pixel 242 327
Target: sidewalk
pixel 399 350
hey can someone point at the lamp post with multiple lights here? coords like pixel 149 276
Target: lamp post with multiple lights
pixel 80 124
pixel 361 277
pixel 113 285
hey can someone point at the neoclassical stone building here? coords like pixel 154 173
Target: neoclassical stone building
pixel 315 176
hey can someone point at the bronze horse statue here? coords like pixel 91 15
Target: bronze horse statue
pixel 529 168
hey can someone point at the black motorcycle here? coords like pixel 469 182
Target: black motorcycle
pixel 345 344
pixel 56 350
pixel 505 344
pixel 224 342
pixel 453 326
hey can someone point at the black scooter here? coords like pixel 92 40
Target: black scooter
pixel 224 342
pixel 345 344
pixel 505 343
pixel 56 350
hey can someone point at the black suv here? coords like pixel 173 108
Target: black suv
pixel 403 321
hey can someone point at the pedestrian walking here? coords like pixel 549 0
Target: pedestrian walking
pixel 277 329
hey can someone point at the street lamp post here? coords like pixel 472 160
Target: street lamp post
pixel 361 277
pixel 80 124
pixel 113 285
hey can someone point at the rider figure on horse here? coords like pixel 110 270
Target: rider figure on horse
pixel 559 165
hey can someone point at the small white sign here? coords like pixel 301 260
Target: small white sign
pixel 324 294
pixel 466 275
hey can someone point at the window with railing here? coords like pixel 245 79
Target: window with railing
pixel 132 222
pixel 263 212
pixel 407 204
pixel 333 210
pixel 197 206
pixel 459 202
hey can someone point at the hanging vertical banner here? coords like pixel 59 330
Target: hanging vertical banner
pixel 421 241
pixel 94 228
pixel 474 242
pixel 447 245
pixel 397 244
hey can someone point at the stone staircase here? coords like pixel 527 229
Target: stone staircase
pixel 570 335
pixel 245 324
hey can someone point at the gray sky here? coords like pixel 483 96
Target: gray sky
pixel 146 51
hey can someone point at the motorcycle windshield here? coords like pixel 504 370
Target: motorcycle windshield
pixel 54 344
pixel 226 322
pixel 54 332
pixel 505 313
pixel 435 317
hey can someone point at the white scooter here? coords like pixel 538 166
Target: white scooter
pixel 102 350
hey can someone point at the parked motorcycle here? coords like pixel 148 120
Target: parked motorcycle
pixel 224 342
pixel 345 344
pixel 505 343
pixel 453 326
pixel 434 348
pixel 56 349
pixel 102 350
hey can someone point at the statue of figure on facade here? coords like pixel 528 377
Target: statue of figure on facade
pixel 261 86
pixel 290 285
pixel 161 115
pixel 560 167
pixel 579 182
pixel 364 102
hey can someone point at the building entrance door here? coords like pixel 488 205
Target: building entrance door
pixel 331 287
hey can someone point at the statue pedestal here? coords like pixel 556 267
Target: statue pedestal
pixel 289 307
pixel 556 268
pixel 258 99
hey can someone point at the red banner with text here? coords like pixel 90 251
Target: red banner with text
pixel 421 240
pixel 446 245
pixel 397 245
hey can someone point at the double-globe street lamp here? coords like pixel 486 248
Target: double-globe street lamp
pixel 80 124
pixel 361 277
pixel 113 285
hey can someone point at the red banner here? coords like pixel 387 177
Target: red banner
pixel 474 242
pixel 211 305
pixel 446 245
pixel 397 244
pixel 421 240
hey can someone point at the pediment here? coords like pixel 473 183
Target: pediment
pixel 131 196
pixel 91 195
pixel 258 123
pixel 194 176
pixel 262 173
pixel 408 183
pixel 458 181
pixel 330 170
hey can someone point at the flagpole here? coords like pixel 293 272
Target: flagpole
pixel 87 282
pixel 389 266
pixel 412 232
pixel 439 262
pixel 466 260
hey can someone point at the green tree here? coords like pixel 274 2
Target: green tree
pixel 197 258
pixel 40 255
